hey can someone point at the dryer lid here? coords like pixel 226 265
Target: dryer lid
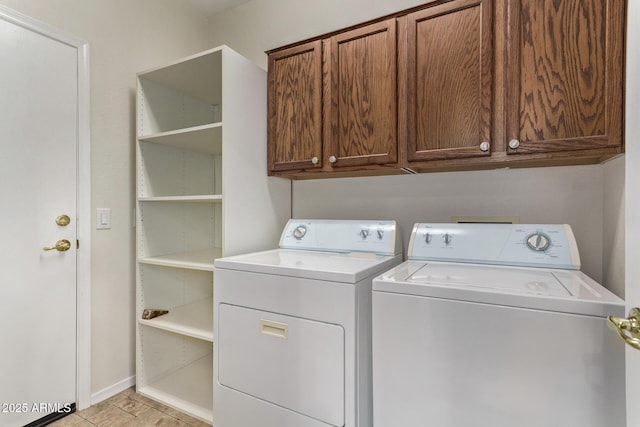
pixel 349 267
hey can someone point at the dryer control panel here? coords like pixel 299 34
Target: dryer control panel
pixel 528 245
pixel 378 237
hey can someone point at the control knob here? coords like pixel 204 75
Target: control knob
pixel 446 238
pixel 299 232
pixel 538 242
pixel 380 232
pixel 364 233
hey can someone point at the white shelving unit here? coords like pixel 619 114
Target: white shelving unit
pixel 202 193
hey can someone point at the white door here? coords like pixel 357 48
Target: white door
pixel 38 183
pixel 632 202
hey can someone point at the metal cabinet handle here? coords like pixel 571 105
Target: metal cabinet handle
pixel 61 245
pixel 484 146
pixel 314 160
pixel 514 143
pixel 332 159
pixel 629 328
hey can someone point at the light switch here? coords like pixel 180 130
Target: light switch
pixel 103 218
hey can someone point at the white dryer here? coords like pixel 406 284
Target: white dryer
pixel 293 326
pixel 493 325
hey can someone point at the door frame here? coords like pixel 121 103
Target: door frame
pixel 83 208
pixel 632 202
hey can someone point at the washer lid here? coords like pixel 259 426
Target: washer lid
pixel 566 291
pixel 336 267
pixel 492 278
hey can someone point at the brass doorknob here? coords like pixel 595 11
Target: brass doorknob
pixel 61 245
pixel 63 220
pixel 629 328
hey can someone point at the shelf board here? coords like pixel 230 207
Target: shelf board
pixel 205 138
pixel 189 389
pixel 194 320
pixel 207 198
pixel 202 70
pixel 195 260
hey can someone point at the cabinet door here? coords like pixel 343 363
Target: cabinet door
pixel 295 108
pixel 445 81
pixel 565 75
pixel 361 100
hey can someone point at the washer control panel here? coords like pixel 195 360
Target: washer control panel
pixel 531 245
pixel 379 237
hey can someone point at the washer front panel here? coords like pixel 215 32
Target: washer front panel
pixel 440 362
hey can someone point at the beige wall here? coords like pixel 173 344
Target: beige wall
pixel 124 37
pixel 260 25
pixel 613 269
pixel 552 195
pixel 575 195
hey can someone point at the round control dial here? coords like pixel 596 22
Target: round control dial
pixel 364 233
pixel 299 232
pixel 538 242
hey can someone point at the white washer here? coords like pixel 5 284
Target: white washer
pixel 293 326
pixel 493 325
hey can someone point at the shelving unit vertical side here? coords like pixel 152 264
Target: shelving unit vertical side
pixel 256 207
pixel 139 107
pixel 140 377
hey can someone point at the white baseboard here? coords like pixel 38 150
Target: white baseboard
pixel 112 390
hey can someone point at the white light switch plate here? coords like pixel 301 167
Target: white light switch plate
pixel 103 218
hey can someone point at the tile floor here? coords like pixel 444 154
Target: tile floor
pixel 129 409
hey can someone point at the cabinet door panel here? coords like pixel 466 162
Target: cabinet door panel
pixel 448 81
pixel 362 102
pixel 566 61
pixel 295 108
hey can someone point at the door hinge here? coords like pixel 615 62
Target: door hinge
pixel 77 244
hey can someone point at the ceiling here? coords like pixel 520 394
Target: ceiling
pixel 210 7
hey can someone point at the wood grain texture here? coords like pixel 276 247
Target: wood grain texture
pixel 448 75
pixel 548 72
pixel 566 89
pixel 295 107
pixel 363 102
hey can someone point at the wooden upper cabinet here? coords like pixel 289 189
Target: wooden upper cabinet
pixel 360 98
pixel 295 108
pixel 445 81
pixel 565 75
pixel 452 85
